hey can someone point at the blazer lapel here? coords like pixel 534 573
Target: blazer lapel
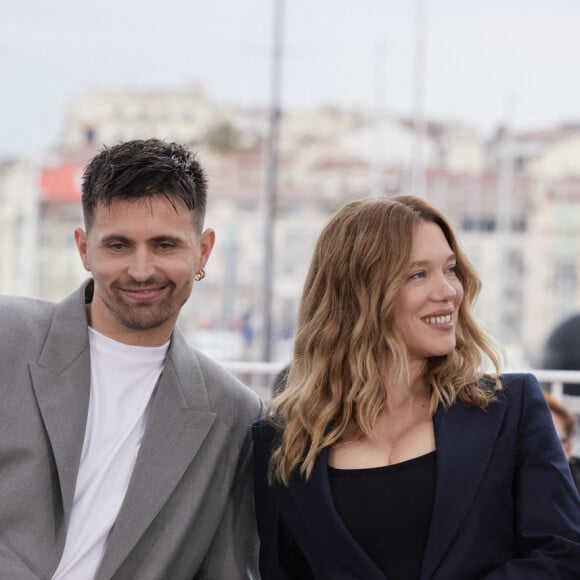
pixel 313 502
pixel 179 421
pixel 465 439
pixel 61 382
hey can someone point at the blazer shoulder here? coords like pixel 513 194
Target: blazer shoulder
pixel 517 386
pixel 38 313
pixel 23 309
pixel 265 429
pixel 266 436
pixel 510 379
pixel 227 390
pixel 524 401
pixel 25 318
pixel 520 392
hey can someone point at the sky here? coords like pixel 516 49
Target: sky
pixel 486 62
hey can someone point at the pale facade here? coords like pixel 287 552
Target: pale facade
pixel 558 159
pixel 19 220
pixel 327 157
pixel 552 279
pixel 107 117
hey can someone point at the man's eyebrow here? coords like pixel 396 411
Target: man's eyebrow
pixel 155 240
pixel 167 238
pixel 114 238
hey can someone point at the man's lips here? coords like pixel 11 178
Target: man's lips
pixel 143 293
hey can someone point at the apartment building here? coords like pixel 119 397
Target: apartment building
pixel 515 201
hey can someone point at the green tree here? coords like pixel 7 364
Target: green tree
pixel 223 137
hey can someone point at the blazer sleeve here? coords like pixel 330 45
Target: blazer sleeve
pixel 280 555
pixel 546 501
pixel 12 566
pixel 233 553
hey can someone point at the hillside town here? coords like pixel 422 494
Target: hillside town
pixel 515 198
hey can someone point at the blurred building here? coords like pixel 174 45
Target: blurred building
pixel 98 117
pixel 18 227
pixel 515 199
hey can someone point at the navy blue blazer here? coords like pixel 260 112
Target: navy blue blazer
pixel 505 508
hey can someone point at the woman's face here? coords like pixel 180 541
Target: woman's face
pixel 427 307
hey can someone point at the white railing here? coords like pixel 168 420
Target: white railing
pixel 260 376
pixel 555 380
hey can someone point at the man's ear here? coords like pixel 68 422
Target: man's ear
pixel 206 244
pixel 81 241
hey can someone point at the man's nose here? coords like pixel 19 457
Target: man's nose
pixel 141 266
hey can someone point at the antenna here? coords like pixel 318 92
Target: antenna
pixel 272 178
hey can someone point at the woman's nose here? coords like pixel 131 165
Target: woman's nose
pixel 445 289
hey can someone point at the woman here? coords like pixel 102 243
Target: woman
pixel 390 454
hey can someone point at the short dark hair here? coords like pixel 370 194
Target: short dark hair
pixel 142 169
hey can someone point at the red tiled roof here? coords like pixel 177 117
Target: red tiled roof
pixel 62 182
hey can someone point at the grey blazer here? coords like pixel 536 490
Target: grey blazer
pixel 188 512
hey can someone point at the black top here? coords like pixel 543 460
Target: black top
pixel 388 511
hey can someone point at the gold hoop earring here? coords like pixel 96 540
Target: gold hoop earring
pixel 200 275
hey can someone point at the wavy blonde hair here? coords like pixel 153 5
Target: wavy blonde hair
pixel 335 389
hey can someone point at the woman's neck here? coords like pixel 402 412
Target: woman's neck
pixel 402 395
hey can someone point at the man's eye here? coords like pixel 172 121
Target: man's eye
pixel 167 245
pixel 116 246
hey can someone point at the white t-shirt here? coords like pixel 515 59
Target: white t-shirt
pixel 123 378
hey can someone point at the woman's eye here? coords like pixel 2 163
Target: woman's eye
pixel 417 275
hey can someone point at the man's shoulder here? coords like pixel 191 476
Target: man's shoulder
pixel 23 303
pixel 21 310
pixel 216 374
pixel 224 389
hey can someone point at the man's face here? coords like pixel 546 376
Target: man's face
pixel 143 256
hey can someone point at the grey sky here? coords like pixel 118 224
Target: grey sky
pixel 482 55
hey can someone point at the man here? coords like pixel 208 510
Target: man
pixel 124 453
